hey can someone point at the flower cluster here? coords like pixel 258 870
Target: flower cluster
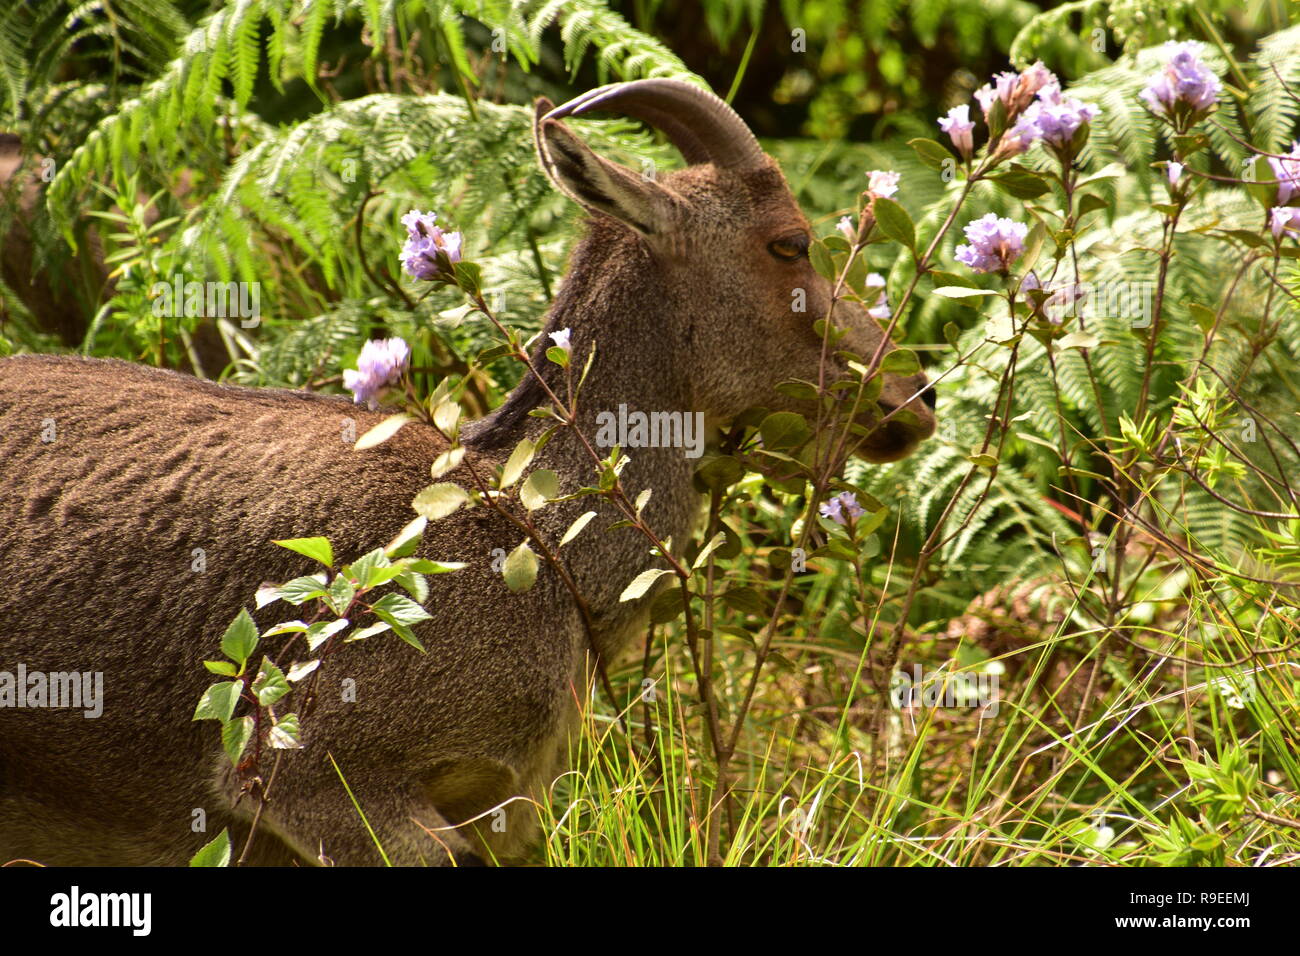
pixel 1285 219
pixel 1053 118
pixel 425 241
pixel 1287 172
pixel 843 508
pixel 1032 109
pixel 882 183
pixel 1186 89
pixel 994 244
pixel 379 365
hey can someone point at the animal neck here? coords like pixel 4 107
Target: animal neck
pixel 637 394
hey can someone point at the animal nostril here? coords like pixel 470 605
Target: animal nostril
pixel 929 397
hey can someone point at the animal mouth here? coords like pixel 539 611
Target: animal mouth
pixel 895 438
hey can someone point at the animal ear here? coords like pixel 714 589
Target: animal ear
pixel 598 184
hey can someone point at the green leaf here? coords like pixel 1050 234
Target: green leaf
pixel 382 432
pixel 542 485
pixel 821 260
pixel 322 631
pixel 449 460
pixel 426 566
pixel 575 529
pixel 642 583
pixel 302 668
pixel 519 459
pixel 215 853
pixel 318 549
pixel 235 735
pixel 438 501
pixel 520 568
pixel 284 735
pixel 218 701
pixel 893 220
pixel 720 471
pixel 1022 183
pixel 301 590
pixel 784 430
pixel 224 668
pixel 401 609
pixel 932 153
pixel 901 362
pixel 408 539
pixel 269 685
pixel 962 292
pixel 716 542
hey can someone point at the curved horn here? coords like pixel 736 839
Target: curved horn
pixel 702 127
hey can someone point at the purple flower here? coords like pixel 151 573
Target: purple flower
pixel 1184 81
pixel 1175 172
pixel 561 339
pixel 1015 90
pixel 1284 219
pixel 880 311
pixel 994 243
pixel 847 229
pixel 959 127
pixel 1054 118
pixel 1287 173
pixel 842 509
pixel 380 364
pixel 882 183
pixel 424 241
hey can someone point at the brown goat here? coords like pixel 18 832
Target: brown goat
pixel 114 474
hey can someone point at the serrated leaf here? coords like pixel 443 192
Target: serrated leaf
pixel 235 735
pixel 269 685
pixel 300 590
pixel 214 853
pixel 901 362
pixel 285 734
pixel 240 638
pixel 224 668
pixel 218 701
pixel 318 549
pixel 322 631
pixel 449 460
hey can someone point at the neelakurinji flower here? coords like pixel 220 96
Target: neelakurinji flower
pixel 1287 172
pixel 1014 90
pixel 959 127
pixel 1055 117
pixel 1284 219
pixel 379 365
pixel 842 509
pixel 880 311
pixel 1174 172
pixel 424 241
pixel 561 339
pixel 995 243
pixel 847 229
pixel 1186 89
pixel 882 183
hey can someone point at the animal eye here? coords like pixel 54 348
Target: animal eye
pixel 790 248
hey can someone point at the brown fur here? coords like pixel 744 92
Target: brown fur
pixel 97 530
